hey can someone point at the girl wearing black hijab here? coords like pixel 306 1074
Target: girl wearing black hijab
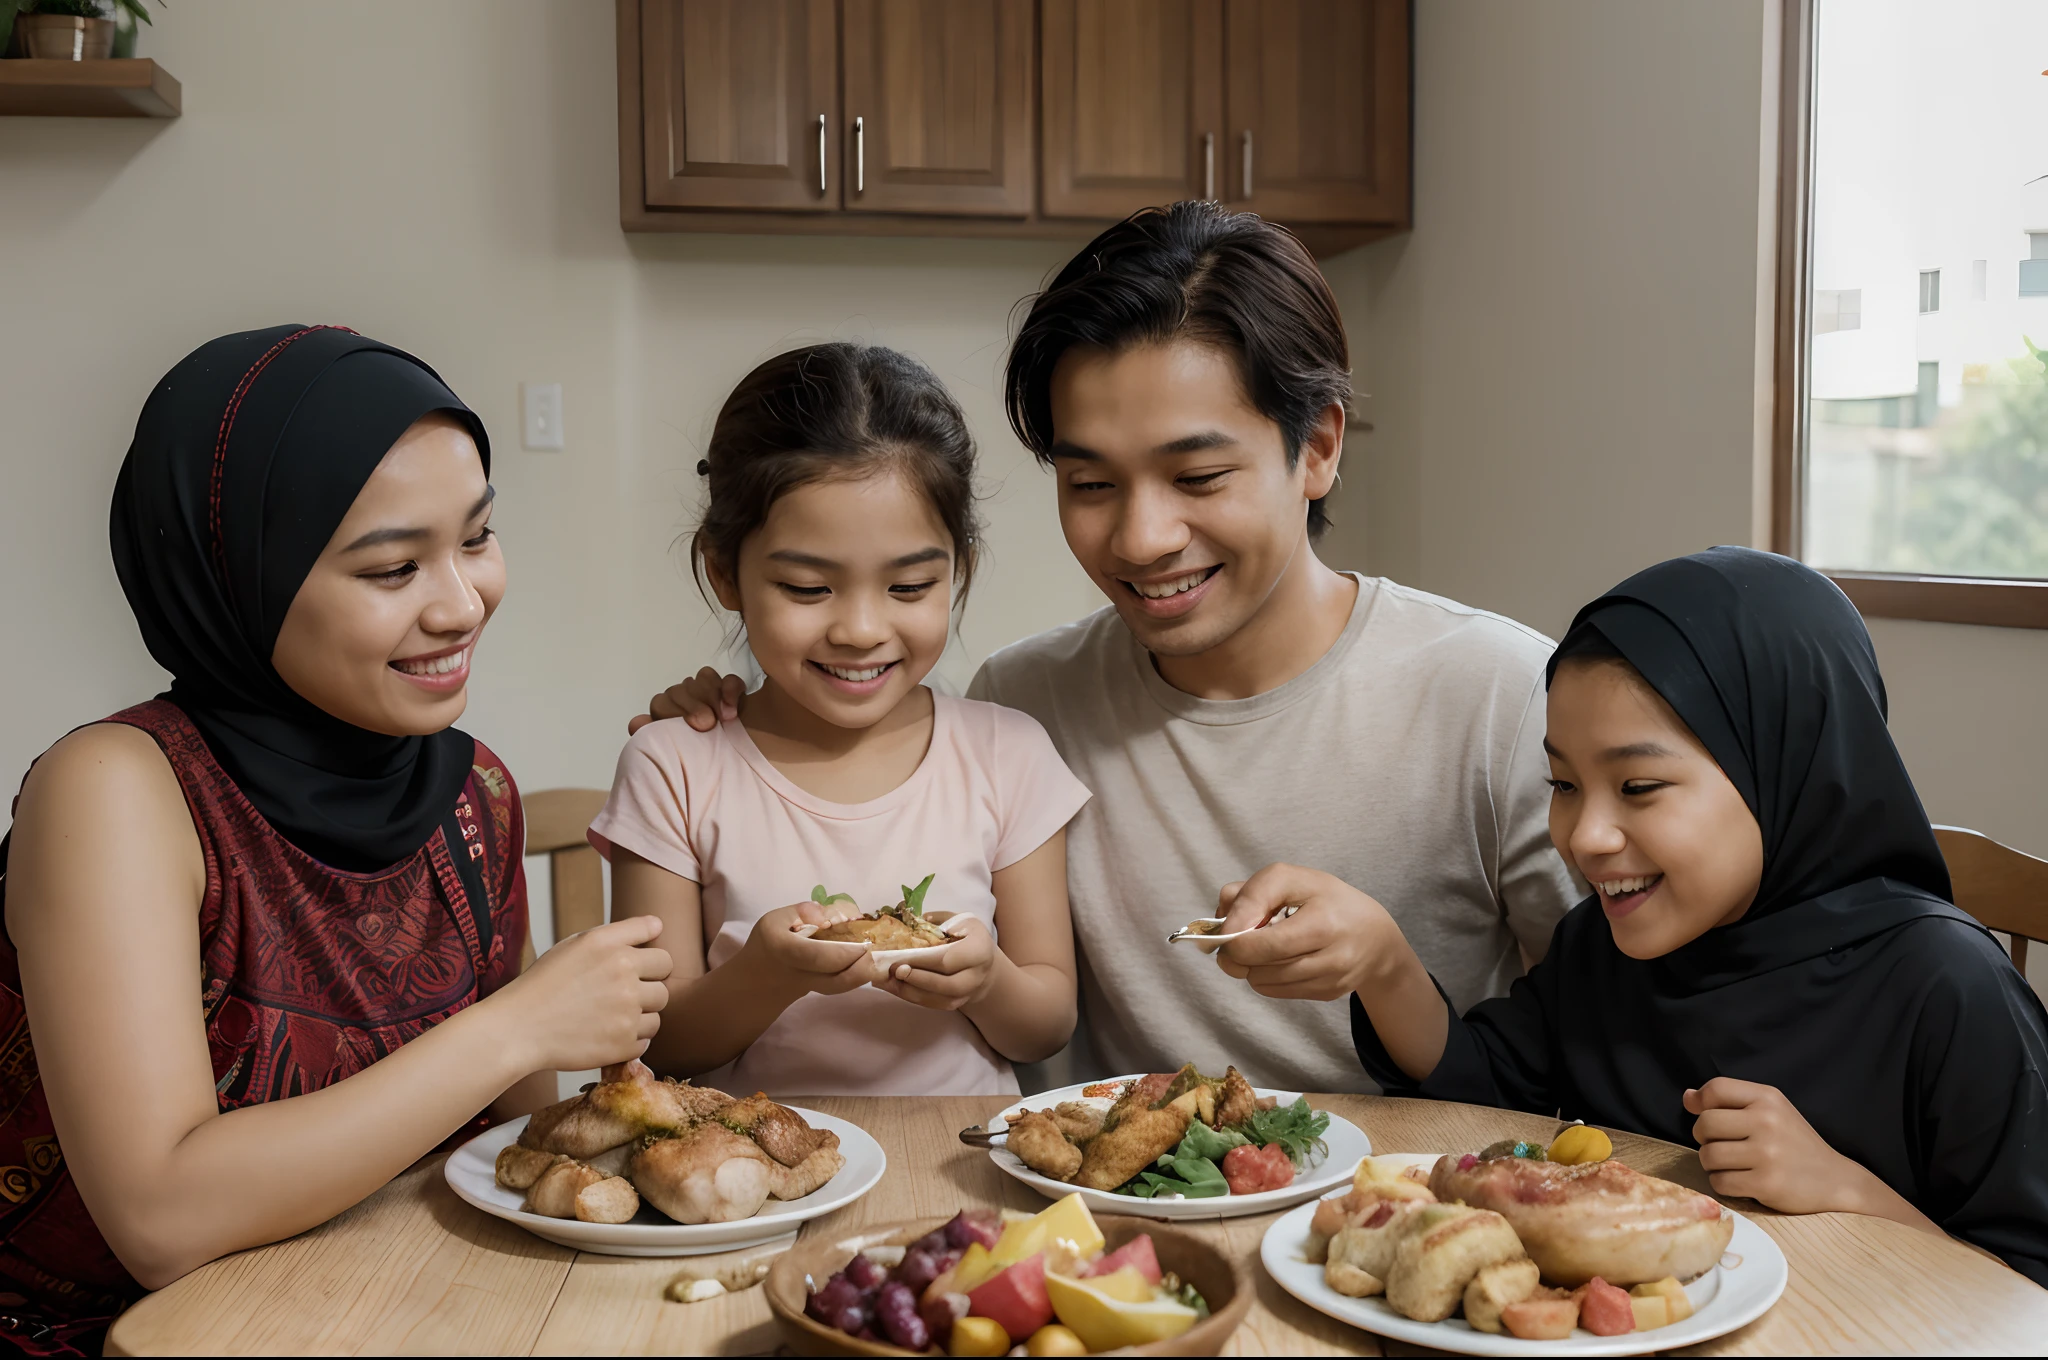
pixel 265 929
pixel 1770 967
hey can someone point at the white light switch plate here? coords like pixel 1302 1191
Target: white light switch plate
pixel 540 406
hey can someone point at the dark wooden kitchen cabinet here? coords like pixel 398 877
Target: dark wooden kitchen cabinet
pixel 1046 118
pixel 740 104
pixel 1317 108
pixel 939 107
pixel 1133 104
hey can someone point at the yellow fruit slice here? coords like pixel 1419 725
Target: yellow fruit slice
pixel 976 1265
pixel 977 1336
pixel 1104 1323
pixel 1125 1284
pixel 1579 1145
pixel 1064 1227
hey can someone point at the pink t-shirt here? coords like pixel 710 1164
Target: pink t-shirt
pixel 709 807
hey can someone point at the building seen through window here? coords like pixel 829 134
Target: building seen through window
pixel 1927 439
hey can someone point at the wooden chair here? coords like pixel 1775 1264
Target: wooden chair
pixel 2000 886
pixel 556 820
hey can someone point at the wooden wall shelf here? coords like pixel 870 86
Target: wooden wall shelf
pixel 131 87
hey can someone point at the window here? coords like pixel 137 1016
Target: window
pixel 2034 269
pixel 1837 309
pixel 1919 455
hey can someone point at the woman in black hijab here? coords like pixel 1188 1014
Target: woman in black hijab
pixel 1770 966
pixel 265 929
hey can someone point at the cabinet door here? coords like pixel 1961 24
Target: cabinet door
pixel 938 106
pixel 1133 98
pixel 1318 109
pixel 732 92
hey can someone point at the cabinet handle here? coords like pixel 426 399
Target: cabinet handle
pixel 821 155
pixel 860 155
pixel 1209 165
pixel 1247 162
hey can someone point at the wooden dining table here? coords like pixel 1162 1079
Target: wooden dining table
pixel 415 1270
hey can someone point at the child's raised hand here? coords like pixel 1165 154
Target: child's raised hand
pixel 594 999
pixel 1755 1143
pixel 959 977
pixel 807 965
pixel 1325 950
pixel 703 701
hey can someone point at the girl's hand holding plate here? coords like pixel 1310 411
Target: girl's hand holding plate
pixel 960 976
pixel 828 967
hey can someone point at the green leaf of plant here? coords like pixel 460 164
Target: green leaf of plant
pixel 913 898
pixel 1203 1141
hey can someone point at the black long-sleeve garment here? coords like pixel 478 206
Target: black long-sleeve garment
pixel 1890 1019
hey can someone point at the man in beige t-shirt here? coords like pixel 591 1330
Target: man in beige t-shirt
pixel 1185 377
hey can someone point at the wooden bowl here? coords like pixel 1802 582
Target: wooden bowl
pixel 1225 1283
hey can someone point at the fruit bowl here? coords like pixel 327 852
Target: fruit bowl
pixel 1224 1283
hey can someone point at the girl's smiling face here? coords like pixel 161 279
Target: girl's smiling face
pixel 1641 810
pixel 847 592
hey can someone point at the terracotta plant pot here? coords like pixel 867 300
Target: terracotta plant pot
pixel 63 37
pixel 1225 1283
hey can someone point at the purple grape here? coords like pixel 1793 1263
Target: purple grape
pixel 982 1225
pixel 919 1269
pixel 933 1243
pixel 896 1310
pixel 837 1294
pixel 939 1313
pixel 867 1334
pixel 866 1275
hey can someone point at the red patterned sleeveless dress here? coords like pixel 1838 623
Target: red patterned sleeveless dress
pixel 310 974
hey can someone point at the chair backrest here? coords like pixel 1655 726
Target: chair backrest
pixel 556 820
pixel 2000 886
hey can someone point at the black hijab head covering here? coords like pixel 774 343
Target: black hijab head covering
pixel 1771 667
pixel 246 458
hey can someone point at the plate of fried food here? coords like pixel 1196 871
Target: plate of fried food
pixel 1522 1249
pixel 640 1166
pixel 1174 1145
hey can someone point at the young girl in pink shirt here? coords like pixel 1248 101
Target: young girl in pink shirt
pixel 840 521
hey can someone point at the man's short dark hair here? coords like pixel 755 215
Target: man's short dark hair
pixel 1192 271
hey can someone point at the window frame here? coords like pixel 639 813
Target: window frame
pixel 1941 599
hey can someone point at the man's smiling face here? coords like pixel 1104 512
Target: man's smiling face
pixel 1175 493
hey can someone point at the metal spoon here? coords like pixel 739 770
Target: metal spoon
pixel 1201 932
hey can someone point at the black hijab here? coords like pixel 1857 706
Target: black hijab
pixel 1890 1019
pixel 246 458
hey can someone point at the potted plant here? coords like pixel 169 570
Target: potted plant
pixel 68 30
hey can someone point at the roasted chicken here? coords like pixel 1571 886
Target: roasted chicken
pixel 1599 1218
pixel 1041 1144
pixel 694 1153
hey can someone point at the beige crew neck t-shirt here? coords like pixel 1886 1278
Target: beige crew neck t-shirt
pixel 1407 762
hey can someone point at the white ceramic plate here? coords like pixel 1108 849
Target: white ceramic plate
pixel 472 1172
pixel 1748 1281
pixel 1347 1143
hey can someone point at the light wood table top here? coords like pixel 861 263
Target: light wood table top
pixel 414 1270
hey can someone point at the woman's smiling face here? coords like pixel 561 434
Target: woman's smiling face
pixel 1641 810
pixel 382 632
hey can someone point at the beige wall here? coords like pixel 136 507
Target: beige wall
pixel 443 176
pixel 1561 358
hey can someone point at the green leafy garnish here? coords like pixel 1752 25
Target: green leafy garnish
pixel 824 899
pixel 913 898
pixel 1203 1141
pixel 1188 1177
pixel 1296 1128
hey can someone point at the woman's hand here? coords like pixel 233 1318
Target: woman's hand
pixel 703 701
pixel 802 964
pixel 1754 1143
pixel 1330 947
pixel 593 1000
pixel 961 976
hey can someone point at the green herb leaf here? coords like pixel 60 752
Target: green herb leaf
pixel 1203 1141
pixel 913 898
pixel 823 899
pixel 1296 1128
